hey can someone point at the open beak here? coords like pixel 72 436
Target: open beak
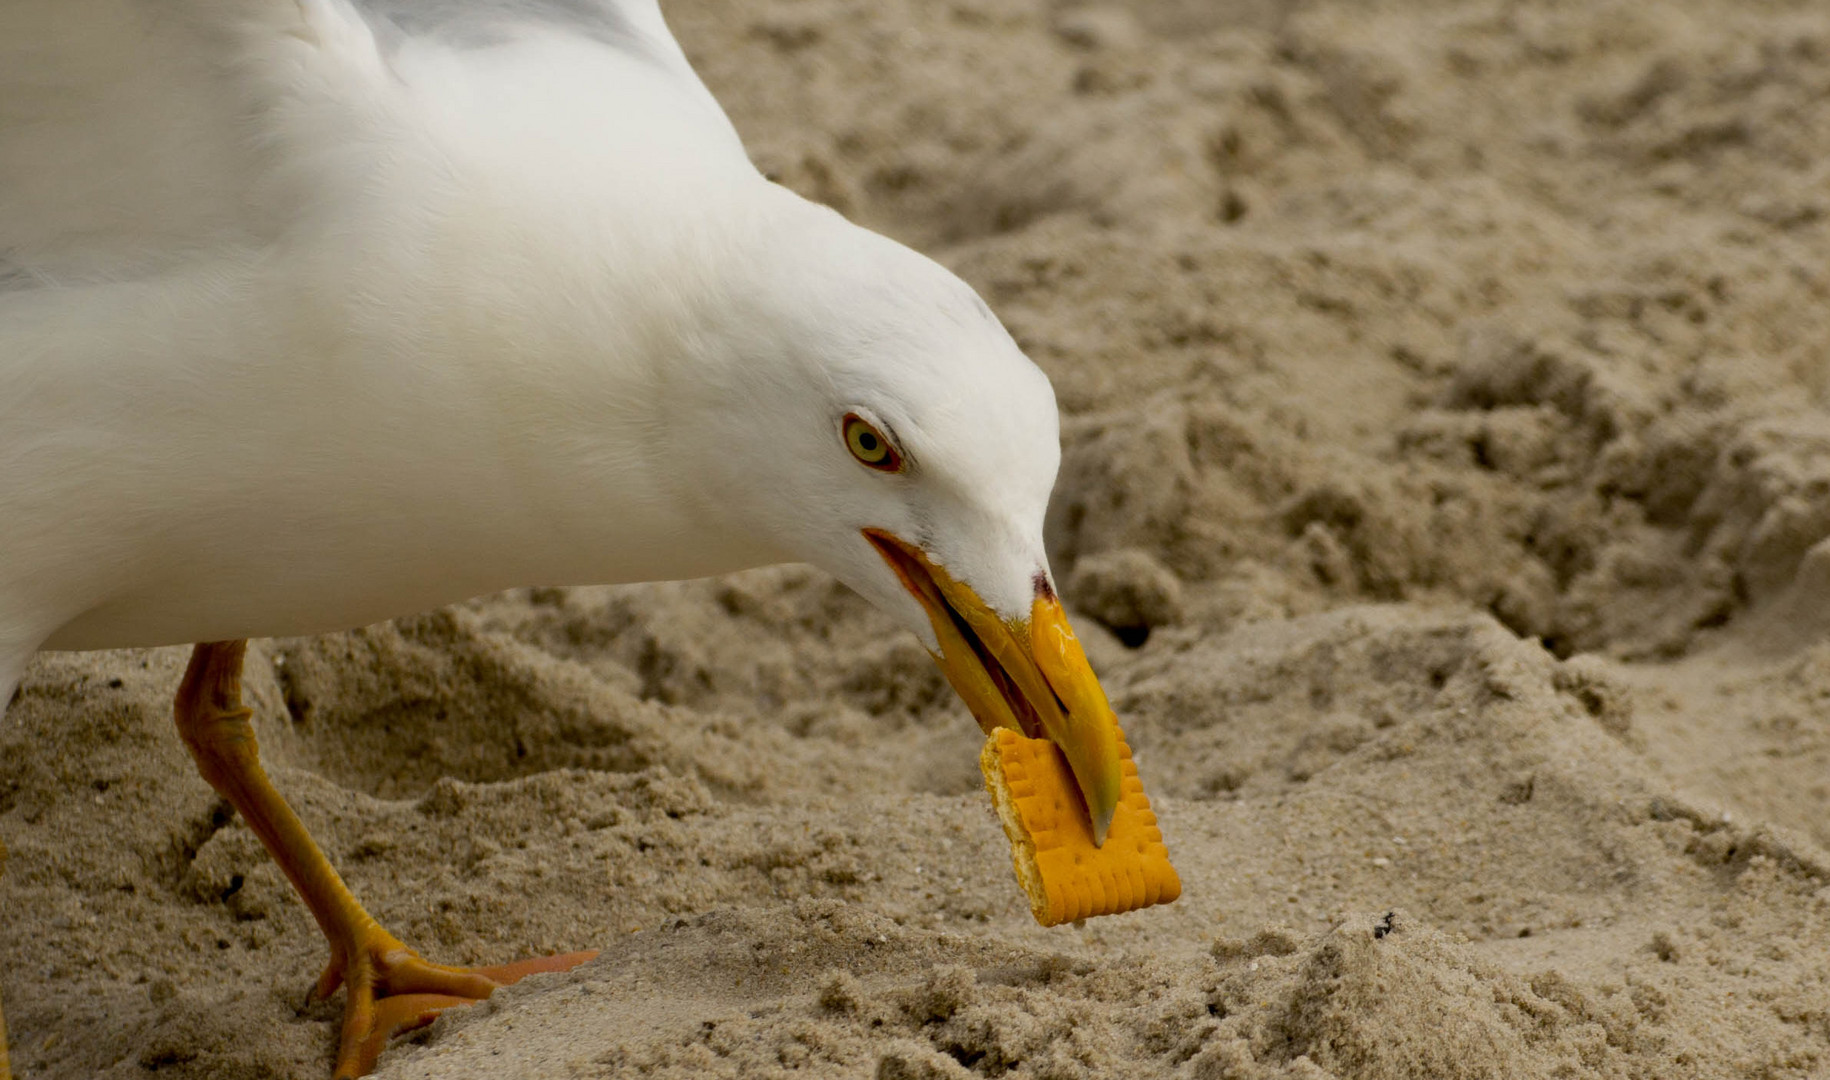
pixel 1027 675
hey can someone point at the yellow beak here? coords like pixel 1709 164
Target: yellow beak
pixel 1027 675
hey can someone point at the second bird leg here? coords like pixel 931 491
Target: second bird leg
pixel 389 988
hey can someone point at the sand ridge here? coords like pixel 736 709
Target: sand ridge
pixel 1445 504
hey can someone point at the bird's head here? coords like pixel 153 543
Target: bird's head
pixel 889 430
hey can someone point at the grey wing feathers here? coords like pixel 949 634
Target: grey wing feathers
pixel 483 22
pixel 635 27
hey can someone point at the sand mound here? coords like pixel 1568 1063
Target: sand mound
pixel 1447 453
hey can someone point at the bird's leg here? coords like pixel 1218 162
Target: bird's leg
pixel 389 988
pixel 6 1069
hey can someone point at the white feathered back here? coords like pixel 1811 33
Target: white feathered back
pixel 122 141
pixel 137 133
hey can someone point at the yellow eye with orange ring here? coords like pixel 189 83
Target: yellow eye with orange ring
pixel 869 445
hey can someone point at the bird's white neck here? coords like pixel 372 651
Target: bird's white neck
pixel 530 378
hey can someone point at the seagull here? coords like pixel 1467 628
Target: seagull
pixel 315 313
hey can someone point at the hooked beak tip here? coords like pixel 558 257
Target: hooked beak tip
pixel 1102 824
pixel 1088 732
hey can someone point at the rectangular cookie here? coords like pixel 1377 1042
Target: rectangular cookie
pixel 1051 839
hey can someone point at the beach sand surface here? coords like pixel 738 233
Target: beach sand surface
pixel 1445 504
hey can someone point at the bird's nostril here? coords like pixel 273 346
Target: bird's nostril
pixel 1044 590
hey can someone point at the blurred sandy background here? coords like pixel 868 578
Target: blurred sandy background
pixel 1447 459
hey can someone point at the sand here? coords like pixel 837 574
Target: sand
pixel 1444 503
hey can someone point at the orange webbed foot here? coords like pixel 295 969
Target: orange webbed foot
pixel 390 990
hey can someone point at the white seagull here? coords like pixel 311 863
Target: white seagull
pixel 314 313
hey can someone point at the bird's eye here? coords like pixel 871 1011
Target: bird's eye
pixel 869 445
